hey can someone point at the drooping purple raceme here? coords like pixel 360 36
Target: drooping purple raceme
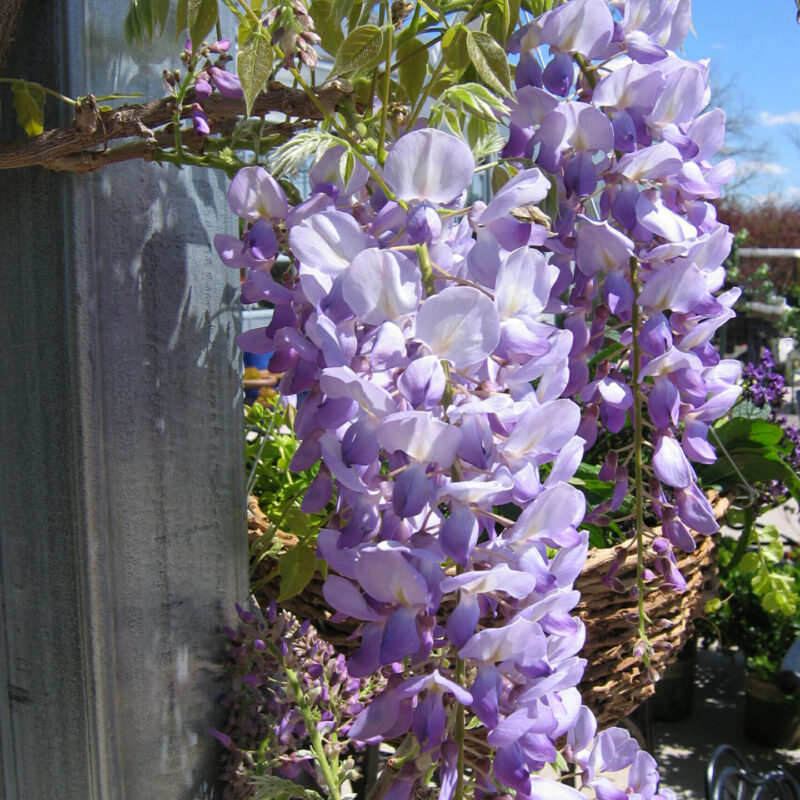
pixel 437 395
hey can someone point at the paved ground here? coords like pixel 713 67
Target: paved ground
pixel 683 748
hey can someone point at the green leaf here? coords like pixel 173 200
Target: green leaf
pixel 202 15
pixel 500 178
pixel 132 26
pixel 181 17
pixel 755 448
pixel 293 155
pixel 254 65
pixel 296 567
pixel 291 191
pixel 413 69
pixel 749 564
pixel 497 20
pixel 360 50
pixel 754 430
pixel 779 603
pixel 29 105
pixel 513 16
pixel 489 59
pixel 161 13
pixel 487 145
pixel 454 47
pixel 146 16
pixel 713 605
pixel 347 163
pixel 297 522
pixel 276 788
pixel 470 98
pixel 551 209
pixel 328 25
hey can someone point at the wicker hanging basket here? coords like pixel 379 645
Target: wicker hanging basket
pixel 615 681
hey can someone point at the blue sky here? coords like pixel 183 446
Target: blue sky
pixel 754 49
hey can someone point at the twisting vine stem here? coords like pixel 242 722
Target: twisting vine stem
pixel 638 439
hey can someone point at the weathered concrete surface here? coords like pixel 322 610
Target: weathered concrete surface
pixel 122 539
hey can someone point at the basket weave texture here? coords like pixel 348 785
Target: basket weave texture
pixel 616 681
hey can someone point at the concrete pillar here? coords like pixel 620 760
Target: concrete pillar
pixel 122 536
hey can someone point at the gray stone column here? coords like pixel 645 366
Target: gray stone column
pixel 122 537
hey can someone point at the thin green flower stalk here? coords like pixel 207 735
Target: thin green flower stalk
pixel 317 745
pixel 638 475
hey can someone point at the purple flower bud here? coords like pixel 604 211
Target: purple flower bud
pixel 203 89
pixel 609 468
pixel 411 490
pixel 518 139
pixel 200 121
pixel 222 46
pixel 459 534
pixel 222 737
pixel 624 132
pixel 676 532
pixel 261 241
pixel 328 188
pixel 245 616
pixel 559 74
pixel 424 224
pixel 360 443
pixel 227 83
pixel 314 670
pixel 580 175
pixel 660 545
pixel 529 71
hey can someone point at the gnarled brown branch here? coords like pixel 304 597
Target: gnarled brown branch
pixel 84 145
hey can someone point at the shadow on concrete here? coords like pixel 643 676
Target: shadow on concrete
pixel 683 748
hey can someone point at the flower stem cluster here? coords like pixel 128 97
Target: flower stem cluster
pixel 290 702
pixel 763 386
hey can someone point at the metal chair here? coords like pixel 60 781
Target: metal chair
pixel 728 778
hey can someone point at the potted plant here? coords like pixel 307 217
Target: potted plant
pixel 763 637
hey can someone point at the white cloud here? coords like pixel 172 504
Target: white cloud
pixel 770 119
pixel 787 194
pixel 763 167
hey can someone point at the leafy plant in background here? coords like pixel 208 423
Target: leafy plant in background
pixel 740 618
pixel 758 471
pixel 270 445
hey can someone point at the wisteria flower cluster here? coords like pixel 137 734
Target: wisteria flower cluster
pixel 763 386
pixel 450 413
pixel 281 681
